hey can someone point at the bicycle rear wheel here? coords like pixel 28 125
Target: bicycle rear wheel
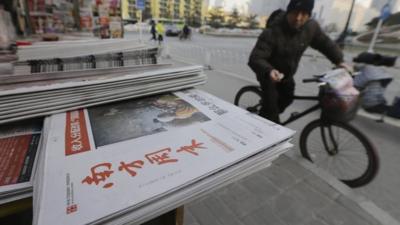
pixel 249 98
pixel 340 149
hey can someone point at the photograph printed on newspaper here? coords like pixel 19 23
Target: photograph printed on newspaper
pixel 105 159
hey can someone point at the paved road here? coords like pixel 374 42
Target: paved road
pixel 229 56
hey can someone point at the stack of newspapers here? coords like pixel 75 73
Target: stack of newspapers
pixel 19 145
pixel 84 60
pixel 129 161
pixel 59 92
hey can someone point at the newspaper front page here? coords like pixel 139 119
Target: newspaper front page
pixel 18 149
pixel 106 159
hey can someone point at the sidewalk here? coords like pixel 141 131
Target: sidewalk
pixel 287 193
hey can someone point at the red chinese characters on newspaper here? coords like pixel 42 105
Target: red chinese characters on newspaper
pixel 72 208
pixel 76 134
pixel 100 173
pixel 161 157
pixel 130 167
pixel 192 148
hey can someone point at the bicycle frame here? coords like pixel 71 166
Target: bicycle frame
pixel 309 110
pixel 305 112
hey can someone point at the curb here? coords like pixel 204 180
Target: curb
pixel 379 118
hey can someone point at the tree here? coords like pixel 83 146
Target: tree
pixel 194 21
pixel 216 17
pixel 234 18
pixel 252 21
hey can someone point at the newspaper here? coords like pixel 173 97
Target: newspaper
pixel 105 160
pixel 18 152
pixel 32 99
pixel 68 75
pixel 15 102
pixel 82 102
pixel 94 94
pixel 54 84
pixel 62 107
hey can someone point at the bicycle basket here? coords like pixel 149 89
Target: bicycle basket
pixel 339 99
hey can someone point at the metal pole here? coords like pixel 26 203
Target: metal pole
pixel 343 35
pixel 373 41
pixel 385 12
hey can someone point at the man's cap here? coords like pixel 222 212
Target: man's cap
pixel 303 5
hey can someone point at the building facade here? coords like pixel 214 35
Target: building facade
pixel 192 11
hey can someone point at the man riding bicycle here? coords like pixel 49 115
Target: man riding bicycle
pixel 185 32
pixel 277 53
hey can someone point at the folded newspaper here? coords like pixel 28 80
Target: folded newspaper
pixel 18 152
pixel 45 97
pixel 113 163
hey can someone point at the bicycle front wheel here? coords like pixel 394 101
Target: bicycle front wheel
pixel 340 149
pixel 249 98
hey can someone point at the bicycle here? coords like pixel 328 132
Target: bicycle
pixel 327 142
pixel 185 36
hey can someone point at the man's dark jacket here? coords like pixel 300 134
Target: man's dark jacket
pixel 281 47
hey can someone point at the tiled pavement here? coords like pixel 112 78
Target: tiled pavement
pixel 290 192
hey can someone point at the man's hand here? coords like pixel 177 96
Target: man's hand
pixel 347 67
pixel 276 76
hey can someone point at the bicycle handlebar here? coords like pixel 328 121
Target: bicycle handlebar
pixel 311 80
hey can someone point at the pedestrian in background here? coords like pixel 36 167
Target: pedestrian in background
pixel 153 31
pixel 160 31
pixel 186 32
